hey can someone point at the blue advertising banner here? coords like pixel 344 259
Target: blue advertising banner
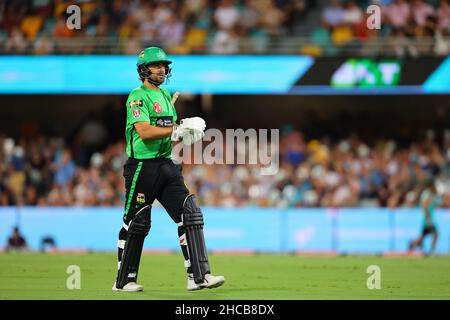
pixel 308 230
pixel 118 75
pixel 439 80
pixel 363 232
pixel 348 231
pixel 296 75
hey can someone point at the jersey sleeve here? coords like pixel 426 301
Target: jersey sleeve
pixel 137 109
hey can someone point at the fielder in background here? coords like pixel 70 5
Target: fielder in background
pixel 151 174
pixel 429 200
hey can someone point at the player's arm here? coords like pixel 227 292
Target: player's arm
pixel 139 116
pixel 149 132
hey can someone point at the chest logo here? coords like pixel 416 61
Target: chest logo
pixel 157 107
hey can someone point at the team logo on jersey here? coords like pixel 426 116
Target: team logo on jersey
pixel 136 103
pixel 140 198
pixel 157 107
pixel 136 113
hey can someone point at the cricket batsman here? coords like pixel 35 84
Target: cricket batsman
pixel 150 174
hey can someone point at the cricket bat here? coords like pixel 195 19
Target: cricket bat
pixel 175 97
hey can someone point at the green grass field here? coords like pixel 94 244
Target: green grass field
pixel 43 276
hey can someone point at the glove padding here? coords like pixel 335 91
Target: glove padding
pixel 192 136
pixel 190 130
pixel 193 123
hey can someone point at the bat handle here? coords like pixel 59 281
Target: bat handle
pixel 175 97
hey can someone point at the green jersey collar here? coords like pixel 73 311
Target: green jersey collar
pixel 144 87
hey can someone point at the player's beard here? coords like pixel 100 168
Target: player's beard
pixel 157 79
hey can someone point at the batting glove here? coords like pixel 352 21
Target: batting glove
pixel 190 130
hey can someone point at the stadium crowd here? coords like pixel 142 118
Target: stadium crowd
pixel 405 24
pixel 180 26
pixel 46 171
pixel 223 26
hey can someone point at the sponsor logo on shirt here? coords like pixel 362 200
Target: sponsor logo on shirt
pixel 136 103
pixel 136 113
pixel 165 121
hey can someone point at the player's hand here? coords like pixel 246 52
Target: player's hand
pixel 190 130
pixel 193 130
pixel 192 136
pixel 196 123
pixel 176 132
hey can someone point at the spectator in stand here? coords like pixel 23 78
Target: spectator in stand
pixel 226 15
pixel 443 15
pixel 17 176
pixel 397 13
pixel 64 168
pixel 31 25
pixel 161 12
pixel 272 19
pixel 119 13
pixel 249 18
pixel 352 13
pixel 225 41
pixel 172 31
pixel 333 14
pixel 16 42
pixel 420 11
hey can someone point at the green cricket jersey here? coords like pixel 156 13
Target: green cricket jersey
pixel 145 104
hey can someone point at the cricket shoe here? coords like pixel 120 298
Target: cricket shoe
pixel 209 282
pixel 129 287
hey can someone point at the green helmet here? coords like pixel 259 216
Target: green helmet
pixel 152 55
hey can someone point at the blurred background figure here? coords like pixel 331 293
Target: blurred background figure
pixel 48 244
pixel 430 200
pixel 16 242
